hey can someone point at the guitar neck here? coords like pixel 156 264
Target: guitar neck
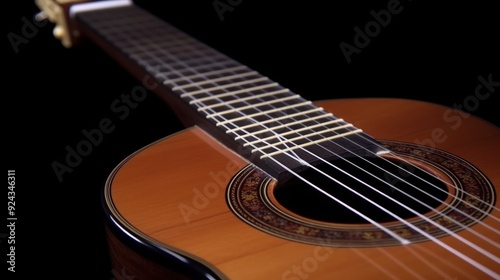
pixel 238 106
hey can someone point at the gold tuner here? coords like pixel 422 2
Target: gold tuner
pixel 57 12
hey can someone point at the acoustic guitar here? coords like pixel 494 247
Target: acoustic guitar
pixel 264 184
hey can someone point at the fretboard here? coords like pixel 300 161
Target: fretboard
pixel 256 117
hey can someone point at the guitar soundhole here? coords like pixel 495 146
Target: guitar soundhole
pixel 374 188
pixel 416 189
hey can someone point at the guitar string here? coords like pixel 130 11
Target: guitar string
pixel 279 136
pixel 397 189
pixel 387 271
pixel 492 207
pixel 429 207
pixel 447 247
pixel 451 185
pixel 383 228
pixel 476 248
pixel 205 82
pixel 412 185
pixel 415 187
pixel 273 159
pixel 404 206
pixel 429 236
pixel 431 260
pixel 394 235
pixel 422 259
pixel 413 211
pixel 484 212
pixel 469 204
pixel 430 254
pixel 464 257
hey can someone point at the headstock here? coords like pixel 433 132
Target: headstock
pixel 57 12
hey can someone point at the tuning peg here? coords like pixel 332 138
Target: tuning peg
pixel 58 32
pixel 41 16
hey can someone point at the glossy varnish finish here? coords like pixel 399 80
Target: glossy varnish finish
pixel 171 194
pixel 166 204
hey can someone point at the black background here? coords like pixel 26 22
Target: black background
pixel 429 51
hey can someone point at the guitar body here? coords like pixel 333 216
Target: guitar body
pixel 169 215
pixel 264 184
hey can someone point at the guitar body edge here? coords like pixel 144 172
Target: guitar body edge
pixel 168 218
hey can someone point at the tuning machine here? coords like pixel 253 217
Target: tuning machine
pixel 57 12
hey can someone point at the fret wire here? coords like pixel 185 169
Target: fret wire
pixel 261 79
pixel 242 75
pixel 175 37
pixel 289 140
pixel 195 69
pixel 207 107
pixel 188 61
pixel 288 132
pixel 149 54
pixel 167 54
pixel 155 47
pixel 315 142
pixel 220 87
pixel 216 74
pixel 183 52
pixel 175 46
pixel 192 71
pixel 189 57
pixel 217 96
pixel 176 50
pixel 206 74
pixel 142 61
pixel 261 113
pixel 141 57
pixel 183 49
pixel 179 43
pixel 166 30
pixel 232 110
pixel 264 112
pixel 317 109
pixel 189 49
pixel 175 42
